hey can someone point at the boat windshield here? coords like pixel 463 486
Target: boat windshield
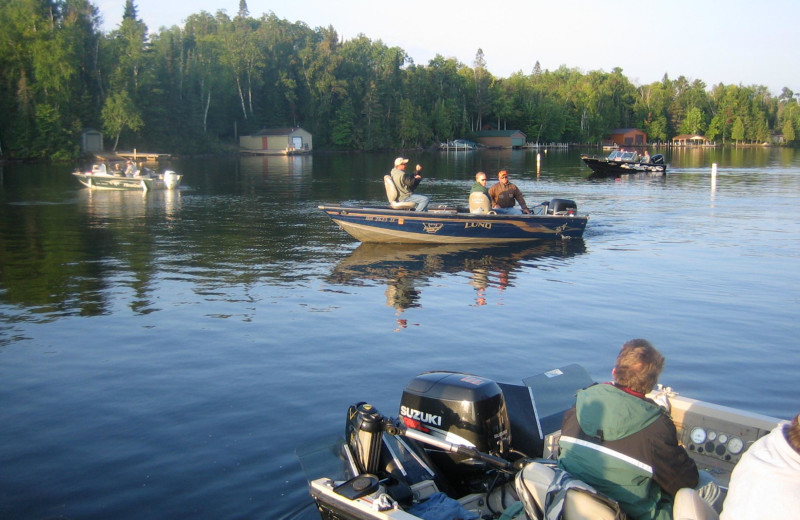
pixel 629 156
pixel 613 155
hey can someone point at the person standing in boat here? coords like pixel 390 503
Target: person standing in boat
pixel 407 182
pixel 626 446
pixel 505 194
pixel 130 169
pixel 766 481
pixel 646 157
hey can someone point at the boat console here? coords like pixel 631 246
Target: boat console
pixel 716 436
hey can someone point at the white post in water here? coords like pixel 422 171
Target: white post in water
pixel 713 179
pixel 538 163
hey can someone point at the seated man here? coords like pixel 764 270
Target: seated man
pixel 504 194
pixel 624 444
pixel 479 200
pixel 407 182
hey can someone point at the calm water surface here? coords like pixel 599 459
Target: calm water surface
pixel 163 354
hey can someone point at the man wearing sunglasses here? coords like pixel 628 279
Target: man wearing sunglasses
pixel 505 194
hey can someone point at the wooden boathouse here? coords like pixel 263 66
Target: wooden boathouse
pixel 626 137
pixel 501 138
pixel 277 141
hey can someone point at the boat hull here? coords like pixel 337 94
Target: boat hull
pixel 610 168
pixel 368 224
pixel 167 181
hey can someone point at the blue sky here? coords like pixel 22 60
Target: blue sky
pixel 730 42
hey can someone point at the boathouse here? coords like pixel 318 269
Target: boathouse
pixel 501 138
pixel 627 137
pixel 690 140
pixel 277 141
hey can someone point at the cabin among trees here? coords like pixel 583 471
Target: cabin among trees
pixel 501 138
pixel 277 141
pixel 627 137
pixel 690 140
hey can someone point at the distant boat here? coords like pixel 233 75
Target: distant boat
pixel 458 144
pixel 99 178
pixel 625 163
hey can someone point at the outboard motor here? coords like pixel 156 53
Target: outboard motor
pixel 657 159
pixel 463 409
pixel 562 207
pixel 364 431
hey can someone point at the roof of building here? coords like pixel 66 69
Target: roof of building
pixel 499 133
pixel 624 130
pixel 692 137
pixel 278 131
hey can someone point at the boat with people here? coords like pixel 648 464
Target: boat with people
pixel 621 162
pixel 465 446
pixel 103 177
pixel 473 224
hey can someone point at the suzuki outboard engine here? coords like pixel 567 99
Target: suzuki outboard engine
pixel 562 207
pixel 462 409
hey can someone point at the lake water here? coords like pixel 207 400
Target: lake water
pixel 163 354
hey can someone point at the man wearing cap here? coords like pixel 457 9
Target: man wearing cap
pixel 503 194
pixel 407 182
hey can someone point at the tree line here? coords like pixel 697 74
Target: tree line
pixel 197 87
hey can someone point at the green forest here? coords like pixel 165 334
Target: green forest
pixel 195 88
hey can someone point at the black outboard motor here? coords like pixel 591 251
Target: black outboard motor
pixel 657 159
pixel 463 409
pixel 562 207
pixel 364 431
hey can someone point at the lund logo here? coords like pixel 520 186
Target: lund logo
pixel 432 228
pixel 424 417
pixel 487 225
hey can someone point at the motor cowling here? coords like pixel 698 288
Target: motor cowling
pixel 462 409
pixel 562 207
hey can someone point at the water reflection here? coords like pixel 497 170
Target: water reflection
pixel 407 269
pixel 127 206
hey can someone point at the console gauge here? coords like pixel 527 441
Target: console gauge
pixel 723 438
pixel 712 435
pixel 735 445
pixel 698 435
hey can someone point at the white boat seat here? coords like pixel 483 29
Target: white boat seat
pixel 391 194
pixel 532 484
pixel 479 203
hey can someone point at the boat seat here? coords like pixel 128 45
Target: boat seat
pixel 533 482
pixel 479 203
pixel 391 194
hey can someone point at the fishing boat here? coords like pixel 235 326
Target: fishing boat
pixel 448 225
pixel 475 224
pixel 101 178
pixel 464 446
pixel 619 163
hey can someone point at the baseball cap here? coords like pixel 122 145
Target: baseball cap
pixel 399 161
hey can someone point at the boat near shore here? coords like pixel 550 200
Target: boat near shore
pixel 464 446
pixel 100 177
pixel 619 163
